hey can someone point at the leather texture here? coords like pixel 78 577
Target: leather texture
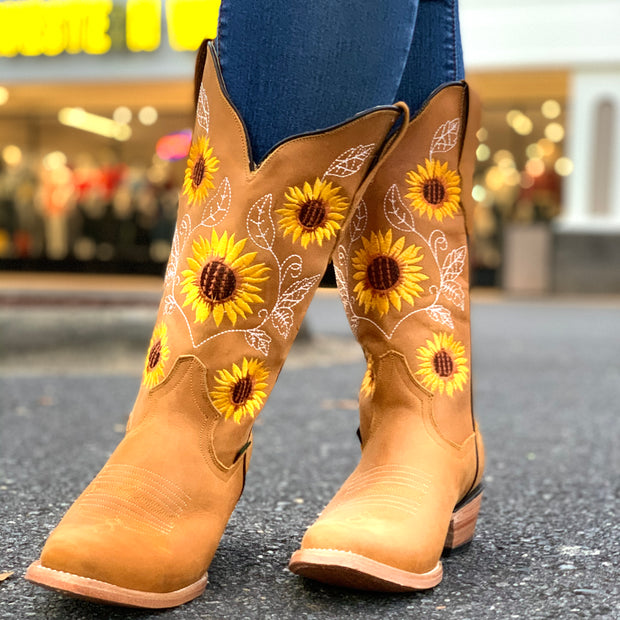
pixel 403 274
pixel 250 247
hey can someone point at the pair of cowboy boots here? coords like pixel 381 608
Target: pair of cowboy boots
pixel 388 200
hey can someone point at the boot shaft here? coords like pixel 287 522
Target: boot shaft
pixel 250 247
pixel 403 263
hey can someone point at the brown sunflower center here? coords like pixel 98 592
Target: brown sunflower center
pixel 434 191
pixel 154 355
pixel 443 364
pixel 198 171
pixel 217 281
pixel 383 273
pixel 312 214
pixel 242 391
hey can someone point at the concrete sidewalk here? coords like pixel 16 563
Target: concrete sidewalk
pixel 547 388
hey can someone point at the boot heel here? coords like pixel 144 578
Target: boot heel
pixel 463 522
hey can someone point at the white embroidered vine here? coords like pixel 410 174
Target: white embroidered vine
pixel 450 266
pixel 292 289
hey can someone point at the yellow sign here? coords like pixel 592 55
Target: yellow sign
pixel 191 21
pixel 35 27
pixel 143 25
pixel 52 27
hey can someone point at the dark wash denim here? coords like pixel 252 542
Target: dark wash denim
pixel 293 66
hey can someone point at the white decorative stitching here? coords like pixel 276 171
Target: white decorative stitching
pixel 350 161
pixel 148 471
pixel 445 137
pixel 259 223
pixel 396 212
pixel 400 217
pixel 292 288
pixel 218 206
pixel 202 111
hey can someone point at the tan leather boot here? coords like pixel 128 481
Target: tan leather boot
pixel 250 247
pixel 402 267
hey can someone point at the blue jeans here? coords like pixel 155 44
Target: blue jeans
pixel 300 65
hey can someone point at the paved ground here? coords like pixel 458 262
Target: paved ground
pixel 547 392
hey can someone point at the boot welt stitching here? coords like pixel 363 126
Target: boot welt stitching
pixel 352 553
pixel 104 583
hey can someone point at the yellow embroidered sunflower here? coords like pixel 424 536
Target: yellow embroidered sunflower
pixel 201 166
pixel 156 357
pixel 221 280
pixel 368 382
pixel 387 273
pixel 313 213
pixel 434 190
pixel 240 390
pixel 443 365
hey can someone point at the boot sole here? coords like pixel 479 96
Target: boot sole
pixel 351 570
pixel 102 592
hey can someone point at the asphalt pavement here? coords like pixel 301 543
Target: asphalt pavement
pixel 547 392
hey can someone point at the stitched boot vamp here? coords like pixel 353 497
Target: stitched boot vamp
pixel 396 506
pixel 146 522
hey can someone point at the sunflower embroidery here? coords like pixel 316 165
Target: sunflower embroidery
pixel 434 190
pixel 156 357
pixel 221 280
pixel 313 213
pixel 368 382
pixel 201 166
pixel 240 390
pixel 443 365
pixel 387 273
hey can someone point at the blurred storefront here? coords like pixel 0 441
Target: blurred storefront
pixel 549 76
pixel 95 123
pixel 521 162
pixel 95 111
